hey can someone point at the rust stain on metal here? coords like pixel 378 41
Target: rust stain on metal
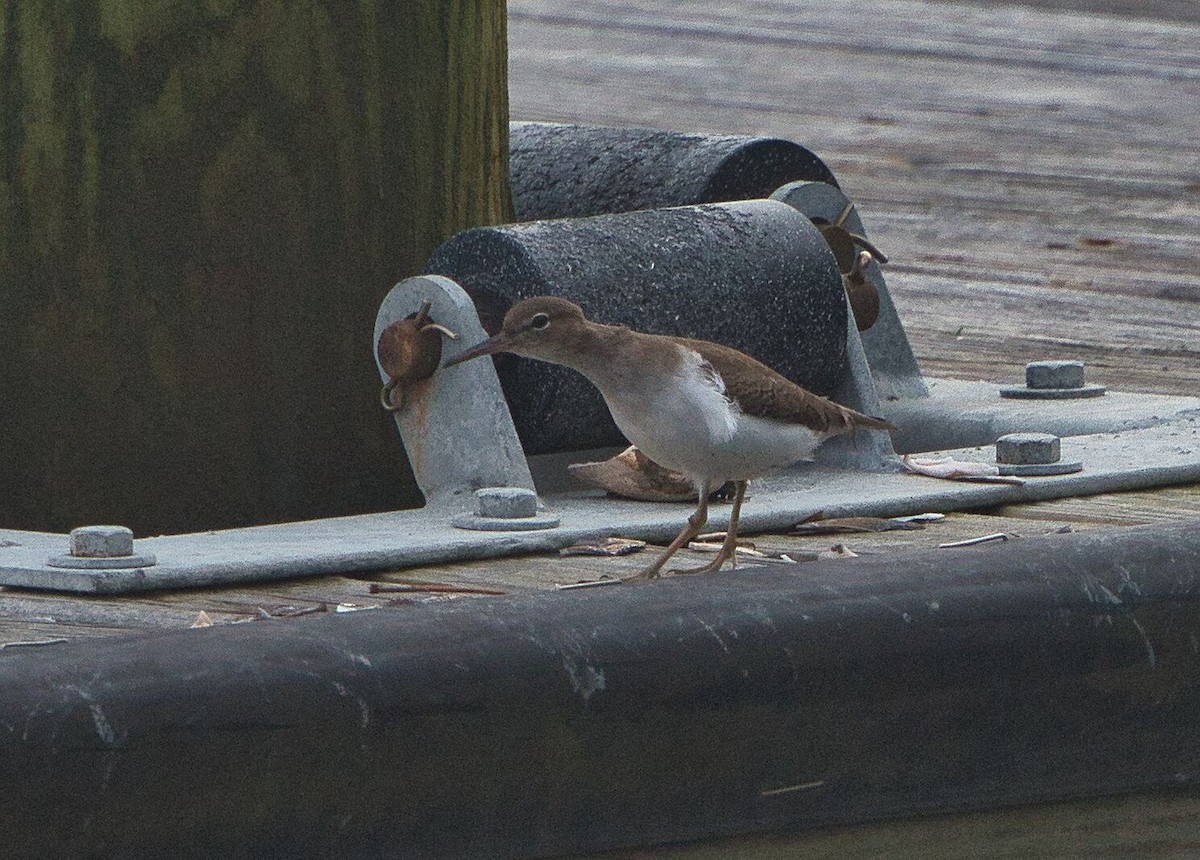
pixel 409 350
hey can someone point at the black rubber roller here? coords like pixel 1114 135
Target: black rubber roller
pixel 753 274
pixel 571 171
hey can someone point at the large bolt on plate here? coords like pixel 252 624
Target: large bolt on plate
pixel 1053 380
pixel 101 548
pixel 505 509
pixel 1032 454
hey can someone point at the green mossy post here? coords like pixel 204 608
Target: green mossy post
pixel 202 204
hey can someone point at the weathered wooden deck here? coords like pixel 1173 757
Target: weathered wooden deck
pixel 1034 175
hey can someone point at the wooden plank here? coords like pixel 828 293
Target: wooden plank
pixel 1159 825
pixel 1032 174
pixel 33 616
pixel 1165 505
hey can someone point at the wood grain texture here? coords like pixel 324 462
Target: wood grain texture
pixel 1034 175
pixel 1159 825
pixel 201 207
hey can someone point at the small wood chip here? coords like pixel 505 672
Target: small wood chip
pixel 781 558
pixel 613 546
pixel 591 583
pixel 921 518
pixel 33 643
pixel 633 475
pixel 948 467
pixel 433 587
pixel 852 525
pixel 203 619
pixel 974 541
pixel 839 550
pixel 741 549
pixel 719 538
pixel 297 611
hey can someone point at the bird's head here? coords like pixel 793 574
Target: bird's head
pixel 542 327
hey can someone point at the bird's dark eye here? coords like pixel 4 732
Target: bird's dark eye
pixel 539 321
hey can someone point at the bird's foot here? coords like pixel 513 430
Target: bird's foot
pixel 643 575
pixel 719 559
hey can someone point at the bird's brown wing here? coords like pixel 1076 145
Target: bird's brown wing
pixel 759 390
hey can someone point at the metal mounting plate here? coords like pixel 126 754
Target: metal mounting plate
pixel 1155 456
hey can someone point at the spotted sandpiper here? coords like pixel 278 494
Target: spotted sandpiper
pixel 700 408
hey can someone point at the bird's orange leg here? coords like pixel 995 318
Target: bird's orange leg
pixel 695 524
pixel 728 550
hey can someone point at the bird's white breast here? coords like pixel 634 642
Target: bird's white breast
pixel 681 418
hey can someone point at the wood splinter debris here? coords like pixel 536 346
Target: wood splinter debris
pixel 591 583
pixel 785 789
pixel 974 541
pixel 33 643
pixel 433 587
pixel 711 542
pixel 838 550
pixel 203 619
pixel 741 549
pixel 611 547
pixel 855 525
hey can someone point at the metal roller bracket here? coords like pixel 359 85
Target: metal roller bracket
pixel 456 427
pixel 885 344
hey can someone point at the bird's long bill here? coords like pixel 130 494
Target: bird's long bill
pixel 488 347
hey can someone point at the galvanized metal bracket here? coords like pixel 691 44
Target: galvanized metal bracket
pixel 460 437
pixel 456 427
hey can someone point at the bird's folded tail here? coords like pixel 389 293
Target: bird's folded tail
pixel 847 420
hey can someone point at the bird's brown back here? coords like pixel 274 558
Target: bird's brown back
pixel 761 391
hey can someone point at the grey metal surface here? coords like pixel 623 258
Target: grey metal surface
pixel 1053 380
pixel 101 541
pixel 958 414
pixel 1025 392
pixel 1032 455
pixel 1055 374
pixel 101 548
pixel 1155 456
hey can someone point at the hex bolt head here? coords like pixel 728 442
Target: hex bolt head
pixel 506 509
pixel 506 503
pixel 1054 374
pixel 101 542
pixel 1028 449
